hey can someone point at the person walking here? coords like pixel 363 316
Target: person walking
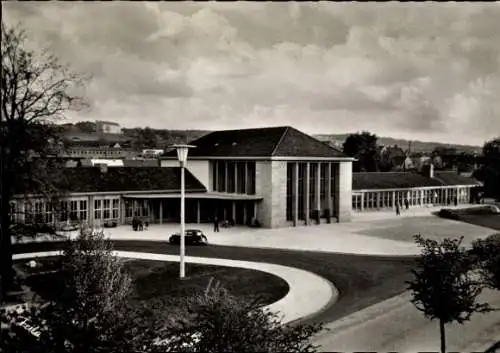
pixel 407 203
pixel 216 224
pixel 398 209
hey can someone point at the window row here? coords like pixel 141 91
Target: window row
pixel 233 176
pixel 136 208
pixel 42 211
pixel 389 199
pixel 313 191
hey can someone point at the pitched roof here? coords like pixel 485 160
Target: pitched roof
pixel 282 141
pixel 92 179
pixel 401 180
pixel 453 178
pixel 391 180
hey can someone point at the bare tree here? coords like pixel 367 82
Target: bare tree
pixel 36 91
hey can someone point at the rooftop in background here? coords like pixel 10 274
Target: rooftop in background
pixel 401 180
pixel 282 141
pixel 147 179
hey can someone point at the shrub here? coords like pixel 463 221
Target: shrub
pixel 449 214
pixel 220 322
pixel 487 253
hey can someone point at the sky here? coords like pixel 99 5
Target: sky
pixel 423 71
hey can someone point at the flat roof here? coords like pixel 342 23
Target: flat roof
pixel 197 195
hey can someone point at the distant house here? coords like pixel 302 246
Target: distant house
pixel 152 152
pixel 107 127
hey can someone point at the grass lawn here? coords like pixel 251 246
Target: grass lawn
pixel 483 220
pixel 361 280
pixel 432 227
pixel 157 280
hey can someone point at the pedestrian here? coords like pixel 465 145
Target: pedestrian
pixel 407 203
pixel 216 224
pixel 398 209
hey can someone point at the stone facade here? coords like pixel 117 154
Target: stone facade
pixel 343 191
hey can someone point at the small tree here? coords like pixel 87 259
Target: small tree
pixel 217 321
pixel 444 286
pixel 90 311
pixel 487 253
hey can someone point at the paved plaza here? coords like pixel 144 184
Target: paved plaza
pixel 380 233
pixel 391 325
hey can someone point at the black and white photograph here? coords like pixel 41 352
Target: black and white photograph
pixel 245 176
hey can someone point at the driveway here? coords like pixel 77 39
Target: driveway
pixel 395 325
pixel 360 280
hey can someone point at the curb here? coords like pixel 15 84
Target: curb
pixel 292 271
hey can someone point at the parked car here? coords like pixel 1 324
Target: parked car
pixel 193 237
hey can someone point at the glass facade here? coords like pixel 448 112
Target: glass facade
pixel 317 187
pixel 233 177
pixel 416 197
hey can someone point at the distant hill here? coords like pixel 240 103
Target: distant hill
pixel 163 138
pixel 416 146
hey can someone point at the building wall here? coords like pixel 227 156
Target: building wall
pixel 343 191
pixel 278 195
pixel 264 187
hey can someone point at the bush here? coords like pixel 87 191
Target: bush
pixel 91 313
pixel 448 214
pixel 220 322
pixel 487 253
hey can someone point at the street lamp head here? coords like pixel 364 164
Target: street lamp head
pixel 182 152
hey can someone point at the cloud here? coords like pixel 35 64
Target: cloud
pixel 409 70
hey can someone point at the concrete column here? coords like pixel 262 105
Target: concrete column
pixel 318 187
pixel 245 213
pixel 394 200
pixel 446 196
pixel 246 178
pixel 362 201
pixel 216 175
pixel 161 211
pixel 306 195
pixel 378 200
pixel 329 196
pixel 198 216
pixel 295 194
pixel 255 209
pixel 236 177
pixel 90 209
pixel 233 211
pixel 226 180
pixel 343 191
pixel 122 210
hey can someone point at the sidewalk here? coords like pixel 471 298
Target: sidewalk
pixel 297 304
pixel 395 325
pixel 374 233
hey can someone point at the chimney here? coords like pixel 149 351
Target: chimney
pixel 428 170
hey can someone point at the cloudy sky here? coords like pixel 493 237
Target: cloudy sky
pixel 423 71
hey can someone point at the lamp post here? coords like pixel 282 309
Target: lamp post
pixel 182 153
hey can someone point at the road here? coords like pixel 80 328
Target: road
pixel 361 280
pixel 373 312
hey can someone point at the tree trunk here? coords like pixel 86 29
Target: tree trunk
pixel 442 336
pixel 6 272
